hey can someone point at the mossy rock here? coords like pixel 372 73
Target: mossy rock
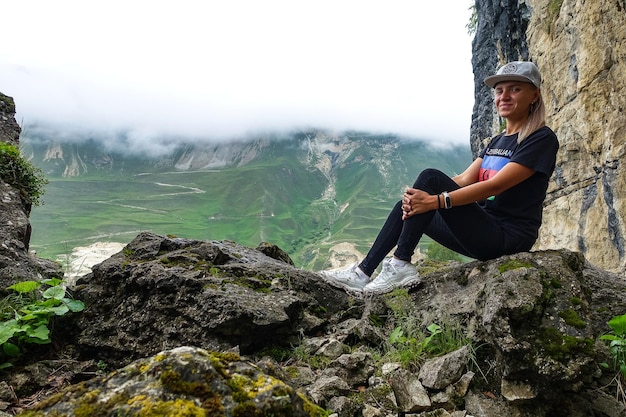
pixel 185 381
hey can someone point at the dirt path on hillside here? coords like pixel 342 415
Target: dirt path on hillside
pixel 188 190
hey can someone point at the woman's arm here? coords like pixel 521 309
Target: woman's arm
pixel 510 175
pixel 470 175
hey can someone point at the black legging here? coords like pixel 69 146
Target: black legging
pixel 468 229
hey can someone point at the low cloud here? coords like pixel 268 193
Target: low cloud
pixel 219 74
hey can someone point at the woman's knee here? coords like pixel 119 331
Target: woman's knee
pixel 428 178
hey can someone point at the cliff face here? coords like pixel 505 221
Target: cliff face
pixel 15 261
pixel 9 129
pixel 580 48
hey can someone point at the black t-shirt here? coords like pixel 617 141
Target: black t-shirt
pixel 519 208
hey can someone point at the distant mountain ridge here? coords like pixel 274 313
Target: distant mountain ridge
pixel 309 192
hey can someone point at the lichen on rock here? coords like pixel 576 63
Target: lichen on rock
pixel 185 381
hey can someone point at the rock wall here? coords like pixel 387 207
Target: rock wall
pixel 9 129
pixel 580 48
pixel 15 261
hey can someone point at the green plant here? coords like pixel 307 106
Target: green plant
pixel 439 252
pixel 102 367
pixel 21 174
pixel 437 340
pixel 26 315
pixel 472 25
pixel 617 339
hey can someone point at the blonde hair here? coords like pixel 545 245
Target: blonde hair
pixel 536 119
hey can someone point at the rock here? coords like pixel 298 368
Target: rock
pixel 533 320
pixel 168 292
pixel 532 317
pixel 354 368
pixel 333 349
pixel 327 387
pixel 16 263
pixel 454 394
pixel 410 394
pixel 183 381
pixel 343 406
pixel 275 252
pixel 9 129
pixel 6 393
pixel 389 368
pixel 445 370
pixel 517 391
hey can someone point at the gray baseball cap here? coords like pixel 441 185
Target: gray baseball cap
pixel 516 71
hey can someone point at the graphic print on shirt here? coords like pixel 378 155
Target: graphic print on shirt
pixel 493 162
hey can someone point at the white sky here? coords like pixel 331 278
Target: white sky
pixel 223 68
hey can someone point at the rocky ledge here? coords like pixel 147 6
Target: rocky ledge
pixel 216 327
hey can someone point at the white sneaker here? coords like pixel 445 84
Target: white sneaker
pixel 347 278
pixel 393 276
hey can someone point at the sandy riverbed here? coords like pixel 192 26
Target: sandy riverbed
pixel 83 258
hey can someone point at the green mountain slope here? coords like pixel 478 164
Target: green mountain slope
pixel 305 192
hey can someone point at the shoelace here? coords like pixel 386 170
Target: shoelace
pixel 392 267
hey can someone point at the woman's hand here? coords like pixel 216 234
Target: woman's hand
pixel 417 201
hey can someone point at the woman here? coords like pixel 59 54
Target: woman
pixel 492 209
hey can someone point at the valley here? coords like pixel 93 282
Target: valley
pixel 307 193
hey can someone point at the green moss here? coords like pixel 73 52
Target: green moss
pixel 575 301
pixel 428 266
pixel 312 409
pixel 560 346
pixel 549 284
pixel 244 390
pixel 226 356
pixel 399 302
pixel 572 318
pixel 319 362
pixel 241 388
pixel 319 310
pixel 148 407
pixel 220 361
pixel 246 409
pixel 175 383
pixel 256 283
pixel 50 401
pixel 554 8
pixel 9 103
pixel 292 371
pixel 514 264
pixel 214 406
pixel 278 353
pixel 85 405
